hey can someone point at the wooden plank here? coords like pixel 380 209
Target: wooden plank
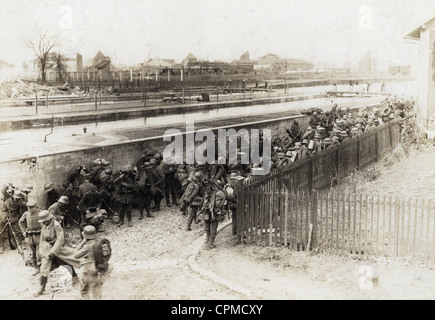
pixel 320 224
pixel 360 227
pixel 383 224
pixel 337 230
pixel 346 239
pixel 256 207
pixel 297 227
pixel 414 237
pixel 408 226
pixel 286 213
pixel 433 233
pixel 427 240
pixel 270 218
pixel 421 234
pixel 261 216
pixel 326 242
pixel 395 234
pixel 378 218
pixel 391 238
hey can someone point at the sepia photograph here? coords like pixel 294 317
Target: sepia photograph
pixel 225 153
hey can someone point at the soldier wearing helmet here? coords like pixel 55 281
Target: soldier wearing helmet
pixel 192 198
pixel 159 184
pixel 13 208
pixel 52 194
pixel 59 210
pixel 125 189
pixel 26 191
pixel 169 168
pixel 91 278
pixel 31 230
pixel 144 181
pixel 52 251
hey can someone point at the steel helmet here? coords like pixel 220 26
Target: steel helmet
pixel 89 232
pixel 44 215
pixel 28 188
pixel 48 186
pixel 63 199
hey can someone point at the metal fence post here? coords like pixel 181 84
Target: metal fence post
pixel 36 103
pixel 96 100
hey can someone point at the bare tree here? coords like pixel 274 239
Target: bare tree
pixel 42 44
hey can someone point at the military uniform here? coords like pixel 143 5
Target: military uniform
pixel 52 251
pixel 91 279
pixel 192 198
pixel 74 180
pixel 13 208
pixel 59 212
pixel 171 183
pixel 86 187
pixel 124 190
pixel 211 212
pixel 143 184
pixel 52 194
pixel 158 187
pixel 31 230
pixel 90 206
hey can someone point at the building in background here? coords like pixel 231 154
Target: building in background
pixel 425 35
pixel 367 64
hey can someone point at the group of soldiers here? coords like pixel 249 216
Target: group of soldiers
pixel 332 127
pixel 26 226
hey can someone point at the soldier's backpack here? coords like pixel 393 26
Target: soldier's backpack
pixel 102 254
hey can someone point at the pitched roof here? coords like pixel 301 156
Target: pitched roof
pixel 415 34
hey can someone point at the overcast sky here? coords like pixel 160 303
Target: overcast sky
pixel 334 32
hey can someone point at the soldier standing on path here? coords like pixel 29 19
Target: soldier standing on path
pixel 124 189
pixel 31 230
pixel 159 183
pixel 192 198
pixel 144 182
pixel 91 278
pixel 211 210
pixel 169 168
pixel 52 251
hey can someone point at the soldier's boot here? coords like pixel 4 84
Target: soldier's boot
pixel 189 221
pixel 129 224
pixel 168 203
pixel 36 270
pixel 141 215
pixel 2 248
pixel 157 206
pixel 207 236
pixel 43 283
pixel 211 241
pixel 148 210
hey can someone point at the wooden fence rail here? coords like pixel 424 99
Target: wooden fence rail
pixel 363 225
